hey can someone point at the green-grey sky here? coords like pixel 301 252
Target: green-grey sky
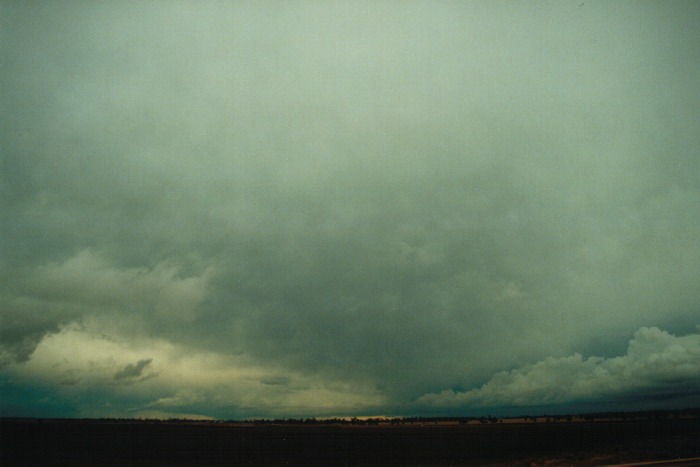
pixel 236 209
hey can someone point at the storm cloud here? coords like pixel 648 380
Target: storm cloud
pixel 348 208
pixel 656 363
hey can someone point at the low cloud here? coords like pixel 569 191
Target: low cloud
pixel 182 398
pixel 23 324
pixel 656 362
pixel 133 371
pixel 276 380
pixel 83 362
pixel 89 284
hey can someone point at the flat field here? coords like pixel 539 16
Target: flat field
pixel 137 443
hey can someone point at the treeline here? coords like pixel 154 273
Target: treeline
pixel 369 421
pixel 620 415
pixel 558 418
pixel 650 415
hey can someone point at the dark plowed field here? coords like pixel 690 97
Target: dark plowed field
pixel 85 442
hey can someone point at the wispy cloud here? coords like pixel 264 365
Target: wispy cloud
pixel 133 371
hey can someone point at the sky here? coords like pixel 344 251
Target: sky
pixel 235 209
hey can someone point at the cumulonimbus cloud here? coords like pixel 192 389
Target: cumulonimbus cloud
pixel 306 209
pixel 655 361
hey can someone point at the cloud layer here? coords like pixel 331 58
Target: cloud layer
pixel 119 380
pixel 657 365
pixel 341 208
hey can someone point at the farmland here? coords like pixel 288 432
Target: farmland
pixel 523 441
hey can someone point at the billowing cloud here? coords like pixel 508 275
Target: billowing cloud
pixel 87 284
pixel 342 207
pixel 656 363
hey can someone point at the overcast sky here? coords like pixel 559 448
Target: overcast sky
pixel 276 209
